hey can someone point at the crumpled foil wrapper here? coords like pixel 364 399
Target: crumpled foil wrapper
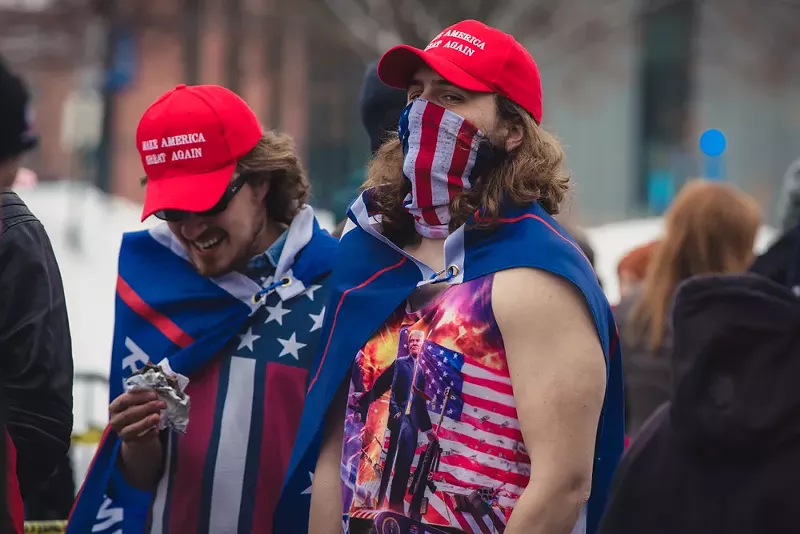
pixel 176 415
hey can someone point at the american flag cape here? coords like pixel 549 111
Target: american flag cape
pixel 167 311
pixel 372 277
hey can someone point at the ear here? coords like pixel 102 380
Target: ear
pixel 261 188
pixel 514 137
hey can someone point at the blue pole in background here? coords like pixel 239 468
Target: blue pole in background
pixel 712 144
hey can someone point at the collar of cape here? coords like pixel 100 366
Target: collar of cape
pixel 372 277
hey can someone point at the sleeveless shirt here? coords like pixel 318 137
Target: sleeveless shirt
pixel 431 430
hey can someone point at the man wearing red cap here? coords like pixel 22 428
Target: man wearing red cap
pixel 519 368
pixel 229 292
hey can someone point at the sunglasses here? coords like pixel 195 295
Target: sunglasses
pixel 179 215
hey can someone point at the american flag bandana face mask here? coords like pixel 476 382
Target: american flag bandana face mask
pixel 441 150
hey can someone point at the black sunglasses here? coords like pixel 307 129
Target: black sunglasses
pixel 179 215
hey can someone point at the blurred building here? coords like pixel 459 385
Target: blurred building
pixel 631 107
pixel 297 69
pixel 629 102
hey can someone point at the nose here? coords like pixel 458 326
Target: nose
pixel 192 227
pixel 428 93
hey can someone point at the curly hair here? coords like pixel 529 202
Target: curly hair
pixel 275 161
pixel 532 172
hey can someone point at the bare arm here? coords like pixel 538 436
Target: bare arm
pixel 558 373
pixel 142 463
pixel 134 417
pixel 326 491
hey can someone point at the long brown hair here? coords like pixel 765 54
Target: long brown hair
pixel 534 171
pixel 710 228
pixel 275 160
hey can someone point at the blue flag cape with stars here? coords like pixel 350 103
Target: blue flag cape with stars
pixel 164 308
pixel 372 277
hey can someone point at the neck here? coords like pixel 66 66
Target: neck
pixel 429 251
pixel 267 236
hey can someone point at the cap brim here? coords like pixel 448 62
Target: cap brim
pixel 399 64
pixel 198 192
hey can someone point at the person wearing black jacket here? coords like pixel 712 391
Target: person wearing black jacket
pixel 723 455
pixel 777 262
pixel 35 344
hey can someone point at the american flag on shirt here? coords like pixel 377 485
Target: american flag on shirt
pixel 482 447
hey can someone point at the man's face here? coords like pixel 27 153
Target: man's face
pixel 480 109
pixel 415 341
pixel 225 242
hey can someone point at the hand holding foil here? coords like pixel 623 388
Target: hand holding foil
pixel 169 388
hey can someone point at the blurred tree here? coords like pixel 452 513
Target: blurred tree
pixel 760 38
pixel 746 28
pixel 380 24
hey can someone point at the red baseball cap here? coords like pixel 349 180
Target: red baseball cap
pixel 190 140
pixel 475 57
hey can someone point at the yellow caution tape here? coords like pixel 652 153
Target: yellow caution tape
pixel 90 437
pixel 51 527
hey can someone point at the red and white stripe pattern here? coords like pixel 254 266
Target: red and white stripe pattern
pixel 441 150
pixel 481 451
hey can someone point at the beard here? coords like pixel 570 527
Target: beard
pixel 239 237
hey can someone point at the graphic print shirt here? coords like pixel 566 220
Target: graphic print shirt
pixel 432 441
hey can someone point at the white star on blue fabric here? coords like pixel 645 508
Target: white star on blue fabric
pixel 310 291
pixel 307 491
pixel 276 313
pixel 247 339
pixel 291 346
pixel 317 319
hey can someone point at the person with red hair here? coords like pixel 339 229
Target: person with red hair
pixel 709 229
pixel 632 269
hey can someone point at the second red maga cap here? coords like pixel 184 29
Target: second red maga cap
pixel 473 56
pixel 190 141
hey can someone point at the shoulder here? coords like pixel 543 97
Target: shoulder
pixel 13 212
pixel 537 294
pixel 535 308
pixel 21 233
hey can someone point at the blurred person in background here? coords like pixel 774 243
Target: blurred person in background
pixel 35 342
pixel 380 107
pixel 632 269
pixel 710 228
pixel 53 500
pixel 465 194
pixel 777 262
pixel 789 212
pixel 230 292
pixel 337 232
pixel 26 179
pixel 580 237
pixel 721 457
pixel 12 509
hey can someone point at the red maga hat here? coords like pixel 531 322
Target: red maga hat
pixel 190 140
pixel 475 57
